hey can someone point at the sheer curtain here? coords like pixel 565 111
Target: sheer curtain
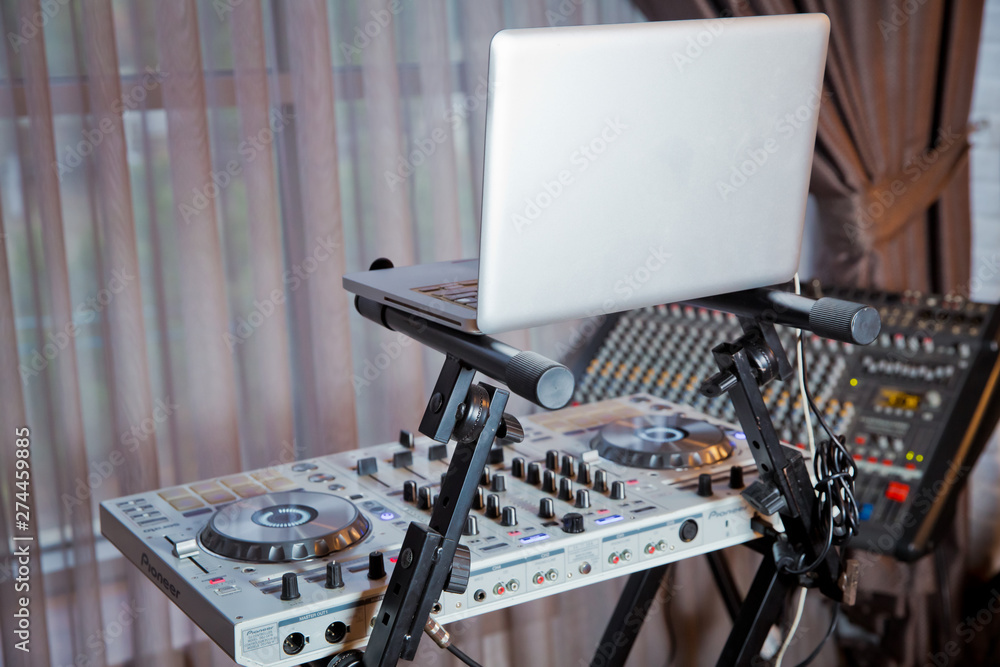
pixel 182 185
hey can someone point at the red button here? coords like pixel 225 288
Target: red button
pixel 217 580
pixel 887 462
pixel 897 491
pixel 911 466
pixel 860 439
pixel 858 457
pixel 872 459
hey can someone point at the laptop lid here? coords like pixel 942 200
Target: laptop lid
pixel 637 164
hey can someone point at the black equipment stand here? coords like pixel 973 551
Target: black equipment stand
pixel 783 487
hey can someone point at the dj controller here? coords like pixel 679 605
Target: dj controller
pixel 289 564
pixel 916 407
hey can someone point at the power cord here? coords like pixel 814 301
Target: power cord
pixel 458 653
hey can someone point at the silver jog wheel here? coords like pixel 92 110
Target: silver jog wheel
pixel 285 526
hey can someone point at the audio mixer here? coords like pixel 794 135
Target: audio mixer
pixel 289 564
pixel 917 406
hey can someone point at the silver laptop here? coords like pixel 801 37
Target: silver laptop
pixel 631 165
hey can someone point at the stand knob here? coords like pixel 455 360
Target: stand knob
pixel 334 575
pixel 566 489
pixel 549 482
pixel 471 525
pixel 567 466
pixel 376 565
pixel 546 508
pixel 493 506
pixel 508 516
pixel 458 575
pixel 289 586
pixel 736 477
pixel 572 523
pixel 517 467
pixel 582 498
pixel 583 473
pixel 552 459
pixel 601 481
pixel 410 491
pixel 479 500
pixel 704 485
pixel 499 483
pixel 534 473
pixel 617 490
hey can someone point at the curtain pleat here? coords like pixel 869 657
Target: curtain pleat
pixel 268 401
pixel 208 418
pixel 84 601
pixel 131 399
pixel 326 372
pixel 12 416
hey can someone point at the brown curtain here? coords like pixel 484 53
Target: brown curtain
pixel 183 185
pixel 890 173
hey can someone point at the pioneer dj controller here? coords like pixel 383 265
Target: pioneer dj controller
pixel 289 564
pixel 916 406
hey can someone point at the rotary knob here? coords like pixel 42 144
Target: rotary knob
pixel 534 474
pixel 425 498
pixel 484 479
pixel 566 489
pixel 410 491
pixel 617 490
pixel 376 565
pixel 601 481
pixel 567 466
pixel 736 477
pixel 458 575
pixel 479 499
pixel 552 459
pixel 289 586
pixel 508 516
pixel 572 523
pixel 334 575
pixel 471 525
pixel 493 506
pixel 546 508
pixel 582 499
pixel 583 473
pixel 549 482
pixel 704 485
pixel 499 483
pixel 517 467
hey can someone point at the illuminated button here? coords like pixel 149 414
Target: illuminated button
pixel 219 496
pixel 249 490
pixel 897 491
pixel 866 511
pixel 911 466
pixel 185 503
pixel 217 580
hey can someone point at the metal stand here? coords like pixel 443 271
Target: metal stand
pixel 783 487
pixel 431 560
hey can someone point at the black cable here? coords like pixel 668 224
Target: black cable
pixel 835 472
pixel 829 631
pixel 457 652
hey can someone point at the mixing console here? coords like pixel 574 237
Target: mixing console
pixel 916 406
pixel 289 564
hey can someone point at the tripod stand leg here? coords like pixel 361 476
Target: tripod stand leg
pixel 626 621
pixel 724 581
pixel 761 609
